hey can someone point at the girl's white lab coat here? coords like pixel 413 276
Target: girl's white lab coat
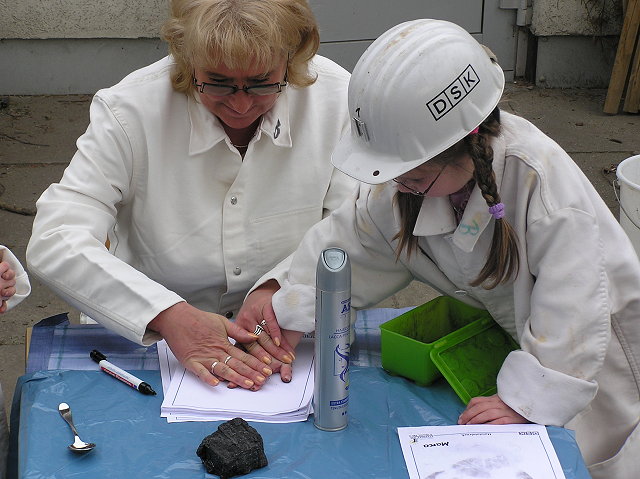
pixel 187 217
pixel 574 307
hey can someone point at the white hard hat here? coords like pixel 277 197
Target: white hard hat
pixel 417 90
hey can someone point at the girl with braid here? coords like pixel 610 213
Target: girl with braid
pixel 484 207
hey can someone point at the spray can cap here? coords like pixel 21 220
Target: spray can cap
pixel 334 270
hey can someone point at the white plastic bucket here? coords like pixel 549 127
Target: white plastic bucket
pixel 628 173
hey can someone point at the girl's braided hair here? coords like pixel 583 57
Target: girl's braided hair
pixel 503 261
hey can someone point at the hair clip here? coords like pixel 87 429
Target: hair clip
pixel 474 131
pixel 497 210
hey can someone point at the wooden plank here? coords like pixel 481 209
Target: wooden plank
pixel 27 344
pixel 632 96
pixel 626 46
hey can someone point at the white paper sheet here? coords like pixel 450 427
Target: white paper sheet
pixel 514 451
pixel 188 399
pixel 168 364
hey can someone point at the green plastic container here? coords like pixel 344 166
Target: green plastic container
pixel 446 337
pixel 471 357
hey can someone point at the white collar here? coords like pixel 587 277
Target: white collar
pixel 207 131
pixel 436 216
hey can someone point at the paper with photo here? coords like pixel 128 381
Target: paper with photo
pixel 522 451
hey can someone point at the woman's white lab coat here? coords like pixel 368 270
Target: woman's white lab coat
pixel 574 306
pixel 188 218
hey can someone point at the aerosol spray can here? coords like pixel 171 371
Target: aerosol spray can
pixel 332 340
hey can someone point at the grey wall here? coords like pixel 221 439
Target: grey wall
pixel 79 46
pixel 577 41
pixel 33 19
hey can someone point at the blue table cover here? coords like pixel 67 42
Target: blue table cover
pixel 133 441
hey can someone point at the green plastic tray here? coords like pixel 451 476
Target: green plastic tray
pixel 471 357
pixel 407 340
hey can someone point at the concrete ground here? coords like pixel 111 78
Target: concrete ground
pixel 37 140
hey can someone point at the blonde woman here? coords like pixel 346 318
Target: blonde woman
pixel 203 170
pixel 483 206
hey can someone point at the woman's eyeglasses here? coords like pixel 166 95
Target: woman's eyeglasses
pixel 420 193
pixel 217 89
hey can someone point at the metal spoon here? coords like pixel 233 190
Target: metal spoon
pixel 78 444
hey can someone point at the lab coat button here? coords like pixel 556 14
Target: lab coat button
pixel 229 314
pixel 234 200
pixel 237 271
pixel 461 292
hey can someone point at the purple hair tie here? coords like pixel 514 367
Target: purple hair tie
pixel 497 210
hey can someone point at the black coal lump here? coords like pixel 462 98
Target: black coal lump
pixel 233 450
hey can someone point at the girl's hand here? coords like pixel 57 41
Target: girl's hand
pixel 490 410
pixel 257 316
pixel 285 369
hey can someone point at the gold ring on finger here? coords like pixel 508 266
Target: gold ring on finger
pixel 226 360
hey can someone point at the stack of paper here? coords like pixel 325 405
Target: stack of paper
pixel 186 398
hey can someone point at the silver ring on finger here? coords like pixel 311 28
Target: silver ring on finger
pixel 263 323
pixel 226 360
pixel 213 365
pixel 258 330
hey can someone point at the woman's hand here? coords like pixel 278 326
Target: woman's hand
pixel 200 341
pixel 285 369
pixel 7 284
pixel 489 410
pixel 257 316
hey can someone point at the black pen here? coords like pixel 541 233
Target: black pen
pixel 120 374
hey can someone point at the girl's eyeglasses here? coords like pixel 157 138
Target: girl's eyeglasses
pixel 420 193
